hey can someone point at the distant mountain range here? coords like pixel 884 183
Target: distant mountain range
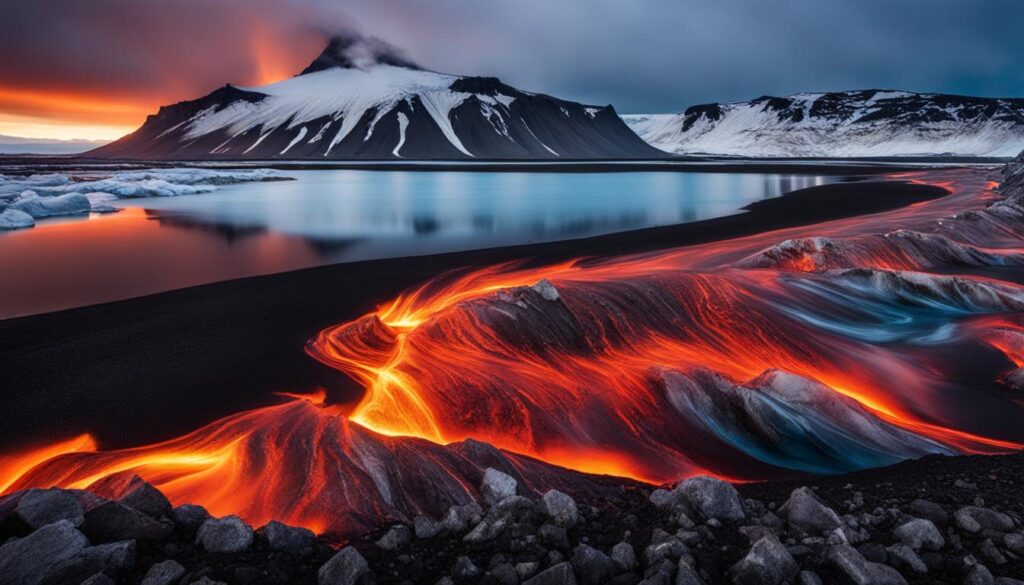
pixel 867 123
pixel 19 145
pixel 360 99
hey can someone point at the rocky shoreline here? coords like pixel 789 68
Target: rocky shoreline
pixel 932 520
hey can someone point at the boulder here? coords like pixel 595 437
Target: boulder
pixel 929 511
pixel 504 574
pixel 424 527
pixel 919 534
pixel 37 508
pixel 190 517
pixel 112 521
pixel 560 508
pixel 282 537
pixel 978 574
pixel 974 518
pixel 224 535
pixel 164 573
pixel 686 575
pixel 488 529
pixel 35 558
pixel 344 568
pixel 553 536
pixel 860 570
pixel 1014 543
pixel 397 537
pixel 768 562
pixel 671 549
pixel 806 514
pixel 903 554
pixel 459 518
pixel 712 498
pixel 527 569
pixel 592 567
pixel 496 486
pixel 560 574
pixel 148 500
pixel 624 556
pixel 465 569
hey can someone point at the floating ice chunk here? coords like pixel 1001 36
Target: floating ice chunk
pixel 39 207
pixel 12 219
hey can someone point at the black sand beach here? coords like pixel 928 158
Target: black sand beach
pixel 154 367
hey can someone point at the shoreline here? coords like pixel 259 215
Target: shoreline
pixel 179 359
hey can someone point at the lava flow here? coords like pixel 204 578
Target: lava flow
pixel 823 348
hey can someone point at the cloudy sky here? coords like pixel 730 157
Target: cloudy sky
pixel 96 68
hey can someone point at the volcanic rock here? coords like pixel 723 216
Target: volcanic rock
pixel 560 574
pixel 224 535
pixel 38 507
pixel 553 536
pixel 344 568
pixel 974 518
pixel 424 527
pixel 112 521
pixel 712 498
pixel 592 566
pixel 805 513
pixel 930 511
pixel 397 537
pixel 459 517
pixel 496 486
pixel 862 571
pixel 504 573
pixel 191 517
pixel 148 500
pixel 919 533
pixel 905 555
pixel 465 568
pixel 560 508
pixel 164 573
pixel 624 556
pixel 286 538
pixel 768 562
pixel 37 557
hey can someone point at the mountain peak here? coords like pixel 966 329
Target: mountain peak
pixel 356 52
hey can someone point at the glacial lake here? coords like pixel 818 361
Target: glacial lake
pixel 331 216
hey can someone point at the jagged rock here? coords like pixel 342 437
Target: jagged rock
pixel 560 574
pixel 553 536
pixel 929 511
pixel 111 521
pixel 164 573
pixel 1014 542
pixel 397 537
pixel 504 573
pixel 465 569
pixel 991 553
pixel 592 566
pixel 978 574
pixel 191 517
pixel 527 569
pixel 344 568
pixel 148 500
pixel 224 535
pixel 459 518
pixel 905 555
pixel 282 537
pixel 712 498
pixel 768 562
pixel 624 556
pixel 806 514
pixel 671 548
pixel 919 533
pixel 685 575
pixel 560 508
pixel 35 558
pixel 974 518
pixel 487 529
pixel 861 571
pixel 496 486
pixel 38 507
pixel 424 527
pixel 112 558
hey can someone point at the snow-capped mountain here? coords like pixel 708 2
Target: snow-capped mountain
pixel 360 99
pixel 868 123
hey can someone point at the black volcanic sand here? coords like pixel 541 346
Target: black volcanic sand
pixel 152 368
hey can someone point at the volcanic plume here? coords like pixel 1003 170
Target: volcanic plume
pixel 838 346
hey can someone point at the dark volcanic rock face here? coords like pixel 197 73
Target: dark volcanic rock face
pixel 360 99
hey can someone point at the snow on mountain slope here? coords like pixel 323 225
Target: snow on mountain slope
pixel 868 123
pixel 359 99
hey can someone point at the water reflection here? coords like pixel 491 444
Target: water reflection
pixel 332 216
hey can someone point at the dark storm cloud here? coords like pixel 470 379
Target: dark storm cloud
pixel 641 55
